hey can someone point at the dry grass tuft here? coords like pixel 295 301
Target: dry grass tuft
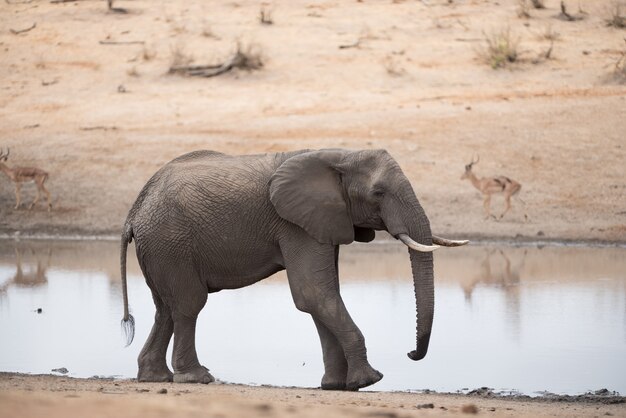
pixel 265 15
pixel 501 49
pixel 179 58
pixel 148 54
pixel 617 18
pixel 538 4
pixel 133 72
pixel 619 69
pixel 523 9
pixel 393 66
pixel 549 34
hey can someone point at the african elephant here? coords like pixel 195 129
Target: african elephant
pixel 207 221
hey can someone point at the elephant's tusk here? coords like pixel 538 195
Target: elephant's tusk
pixel 416 245
pixel 448 242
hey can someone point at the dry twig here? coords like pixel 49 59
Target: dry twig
pixel 242 59
pixel 122 42
pixel 17 32
pixel 564 15
pixel 98 128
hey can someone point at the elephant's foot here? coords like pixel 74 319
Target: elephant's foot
pixel 149 374
pixel 362 376
pixel 332 381
pixel 198 375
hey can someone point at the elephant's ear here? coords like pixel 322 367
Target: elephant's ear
pixel 306 190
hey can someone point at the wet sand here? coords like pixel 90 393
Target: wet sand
pixel 52 396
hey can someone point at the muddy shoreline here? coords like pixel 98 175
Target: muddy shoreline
pixel 48 234
pixel 69 397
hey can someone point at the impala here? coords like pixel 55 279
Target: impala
pixel 20 175
pixel 492 185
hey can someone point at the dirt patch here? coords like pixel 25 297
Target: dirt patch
pixel 87 98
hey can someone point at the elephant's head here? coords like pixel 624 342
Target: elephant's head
pixel 340 196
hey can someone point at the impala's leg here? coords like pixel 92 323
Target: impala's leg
pixel 47 196
pixel 18 197
pixel 32 205
pixel 507 199
pixel 486 205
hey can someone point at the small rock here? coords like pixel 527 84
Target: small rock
pixel 39 310
pixel 162 391
pixel 263 407
pixel 143 390
pixel 61 370
pixel 540 233
pixel 469 409
pixel 426 406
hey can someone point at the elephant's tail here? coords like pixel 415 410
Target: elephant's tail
pixel 128 322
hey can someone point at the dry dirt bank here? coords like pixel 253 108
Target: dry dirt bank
pixel 50 396
pixel 102 117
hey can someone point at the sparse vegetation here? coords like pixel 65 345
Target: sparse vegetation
pixel 501 48
pixel 566 16
pixel 179 58
pixel 523 9
pixel 247 58
pixel 393 67
pixel 40 63
pixel 265 15
pixel 549 33
pixel 132 72
pixel 147 54
pixel 619 69
pixel 538 4
pixel 207 31
pixel 617 18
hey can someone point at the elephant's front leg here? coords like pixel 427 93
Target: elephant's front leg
pixel 313 281
pixel 335 364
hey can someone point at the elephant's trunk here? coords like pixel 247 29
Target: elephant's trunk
pixel 422 269
pixel 409 218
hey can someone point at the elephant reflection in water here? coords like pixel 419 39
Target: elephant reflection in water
pixel 28 277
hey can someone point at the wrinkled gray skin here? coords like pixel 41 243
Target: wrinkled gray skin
pixel 208 221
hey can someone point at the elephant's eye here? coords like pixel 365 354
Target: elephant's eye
pixel 378 193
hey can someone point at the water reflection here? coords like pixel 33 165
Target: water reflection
pixel 511 318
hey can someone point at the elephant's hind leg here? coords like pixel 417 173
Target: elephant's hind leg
pixel 189 301
pixel 187 368
pixel 152 364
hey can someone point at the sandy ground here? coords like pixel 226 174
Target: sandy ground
pixel 102 117
pixel 35 396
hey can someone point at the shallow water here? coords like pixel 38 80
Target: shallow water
pixel 526 319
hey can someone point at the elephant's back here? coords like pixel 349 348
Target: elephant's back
pixel 205 193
